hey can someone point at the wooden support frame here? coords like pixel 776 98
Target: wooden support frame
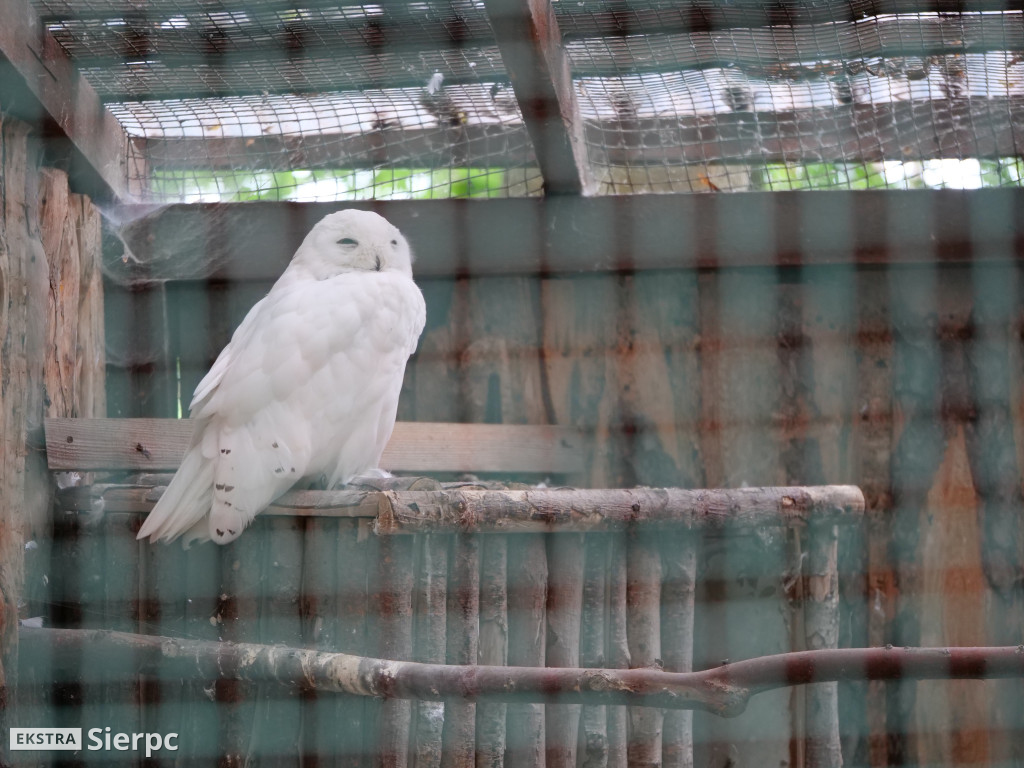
pixel 534 56
pixel 39 84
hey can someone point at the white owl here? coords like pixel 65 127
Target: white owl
pixel 308 385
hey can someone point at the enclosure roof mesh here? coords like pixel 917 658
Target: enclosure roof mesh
pixel 704 95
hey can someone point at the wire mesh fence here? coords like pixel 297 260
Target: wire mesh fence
pixel 338 100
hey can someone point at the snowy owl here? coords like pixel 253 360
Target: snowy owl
pixel 308 385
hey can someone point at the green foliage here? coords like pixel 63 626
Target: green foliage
pixel 928 174
pixel 391 184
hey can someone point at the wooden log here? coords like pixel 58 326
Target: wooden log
pixel 643 628
pixel 582 510
pixel 593 625
pixel 821 627
pixel 527 579
pixel 463 648
pixel 243 576
pixel 319 616
pixel 431 610
pixel 679 564
pixel 280 717
pixel 154 445
pixel 618 643
pixel 491 716
pixel 394 603
pixel 564 617
pixel 723 690
pixel 357 551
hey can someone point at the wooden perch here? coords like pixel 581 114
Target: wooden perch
pixel 533 511
pixel 567 509
pixel 724 690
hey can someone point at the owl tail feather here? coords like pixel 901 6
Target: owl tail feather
pixel 185 502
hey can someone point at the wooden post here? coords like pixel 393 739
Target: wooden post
pixel 431 641
pixel 528 579
pixel 51 351
pixel 491 734
pixel 394 601
pixel 821 629
pixel 21 325
pixel 564 614
pixel 618 644
pixel 594 719
pixel 643 625
pixel 463 647
pixel 679 561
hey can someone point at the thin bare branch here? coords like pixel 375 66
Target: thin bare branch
pixel 724 690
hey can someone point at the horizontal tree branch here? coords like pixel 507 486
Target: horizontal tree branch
pixel 568 509
pixel 468 509
pixel 724 690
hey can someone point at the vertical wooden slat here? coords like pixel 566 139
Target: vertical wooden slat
pixel 281 622
pixel 564 614
pixel 993 375
pixel 643 619
pixel 916 457
pixel 490 716
pixel 873 436
pixel 821 627
pixel 463 647
pixel 244 579
pixel 394 603
pixel 355 716
pixel 618 644
pixel 679 561
pixel 431 608
pixel 319 603
pixel 593 626
pixel 527 595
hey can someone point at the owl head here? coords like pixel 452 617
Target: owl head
pixel 350 241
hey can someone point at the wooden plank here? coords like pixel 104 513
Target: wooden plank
pixel 158 444
pixel 255 241
pixel 531 49
pixel 39 83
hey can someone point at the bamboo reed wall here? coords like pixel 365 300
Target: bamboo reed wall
pixel 905 381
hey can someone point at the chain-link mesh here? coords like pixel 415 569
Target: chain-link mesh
pixel 271 99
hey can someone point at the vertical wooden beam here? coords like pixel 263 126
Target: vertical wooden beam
pixel 22 324
pixel 40 84
pixel 531 48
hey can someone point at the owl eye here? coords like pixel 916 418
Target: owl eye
pixel 348 242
